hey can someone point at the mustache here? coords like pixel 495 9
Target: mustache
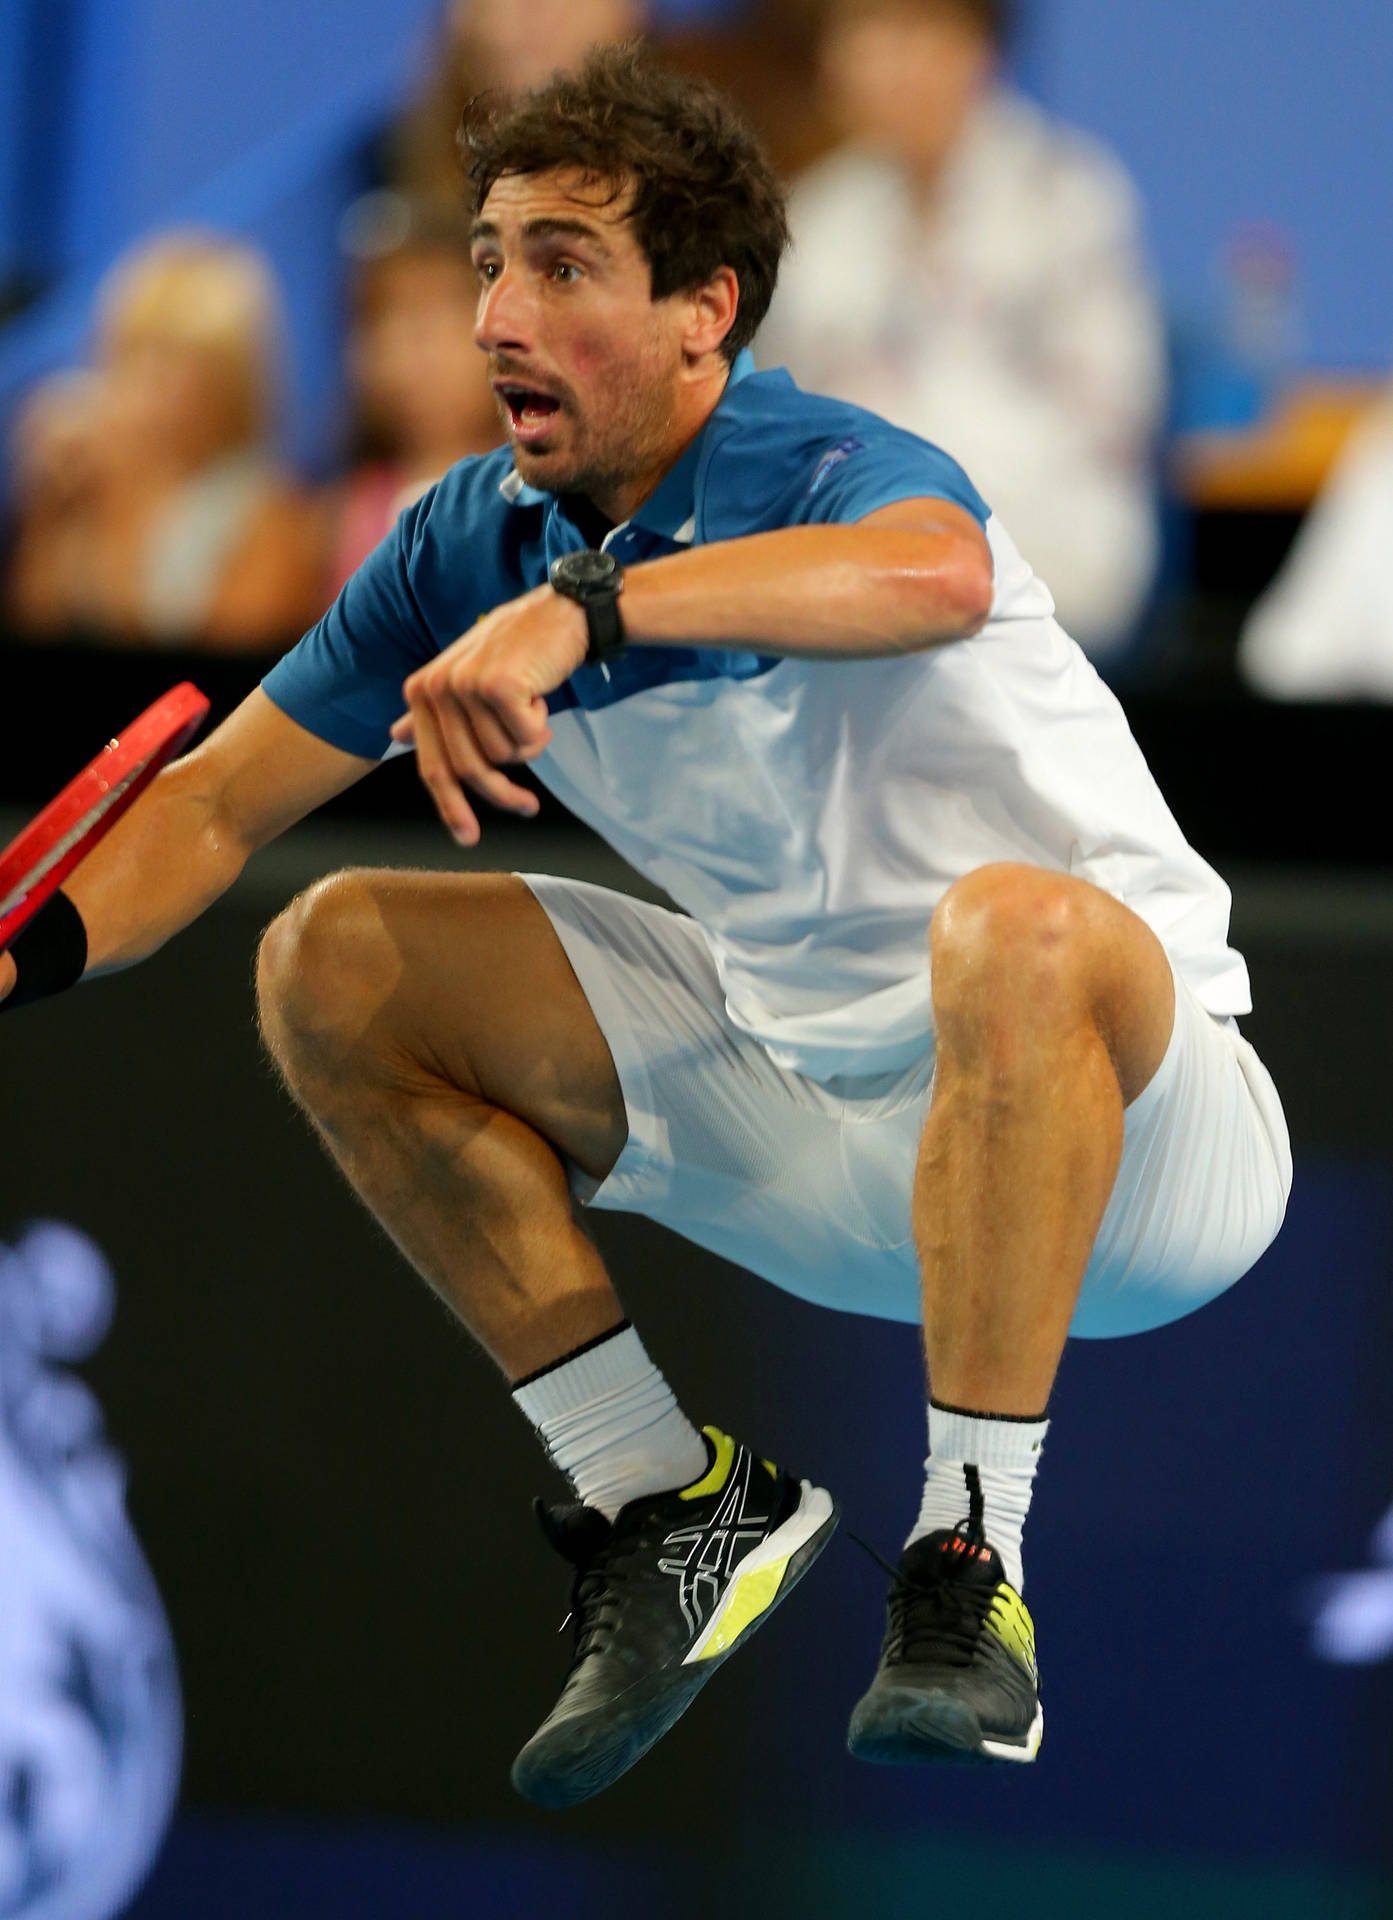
pixel 501 367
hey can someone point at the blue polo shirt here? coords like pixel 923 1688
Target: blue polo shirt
pixel 769 456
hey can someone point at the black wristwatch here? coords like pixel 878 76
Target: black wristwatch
pixel 594 581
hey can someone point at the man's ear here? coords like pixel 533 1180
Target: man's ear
pixel 711 310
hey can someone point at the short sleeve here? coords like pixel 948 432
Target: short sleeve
pixel 785 458
pixel 874 466
pixel 343 681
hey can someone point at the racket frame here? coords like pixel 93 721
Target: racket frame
pixel 40 858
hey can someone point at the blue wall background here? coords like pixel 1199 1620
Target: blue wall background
pixel 120 115
pixel 247 116
pixel 1238 110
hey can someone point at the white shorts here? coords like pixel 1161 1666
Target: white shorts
pixel 808 1184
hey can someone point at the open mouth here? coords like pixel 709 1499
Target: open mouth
pixel 528 407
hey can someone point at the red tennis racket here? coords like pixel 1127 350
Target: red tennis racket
pixel 37 863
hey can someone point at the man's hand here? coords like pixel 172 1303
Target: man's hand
pixel 910 576
pixel 8 970
pixel 481 705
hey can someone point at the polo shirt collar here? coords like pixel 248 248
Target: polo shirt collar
pixel 670 510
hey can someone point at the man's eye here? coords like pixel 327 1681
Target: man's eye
pixel 487 270
pixel 565 271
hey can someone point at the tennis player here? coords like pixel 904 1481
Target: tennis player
pixel 945 1032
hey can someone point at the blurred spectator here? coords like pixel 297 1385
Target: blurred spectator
pixel 758 54
pixel 493 43
pixel 419 385
pixel 1324 628
pixel 149 505
pixel 971 269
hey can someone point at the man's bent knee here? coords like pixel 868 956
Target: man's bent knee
pixel 326 966
pixel 1011 925
pixel 1015 946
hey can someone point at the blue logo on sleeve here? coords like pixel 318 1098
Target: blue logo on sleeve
pixel 833 457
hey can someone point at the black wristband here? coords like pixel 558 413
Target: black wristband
pixel 50 955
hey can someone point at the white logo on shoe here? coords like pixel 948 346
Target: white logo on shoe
pixel 715 1549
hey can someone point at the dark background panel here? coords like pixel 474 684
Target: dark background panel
pixel 1247 780
pixel 334 1490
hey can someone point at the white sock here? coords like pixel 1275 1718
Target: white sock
pixel 610 1422
pixel 1004 1453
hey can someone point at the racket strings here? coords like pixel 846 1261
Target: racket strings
pixel 52 855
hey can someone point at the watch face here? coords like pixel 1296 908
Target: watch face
pixel 582 573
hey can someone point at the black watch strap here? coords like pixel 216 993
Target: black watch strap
pixel 606 630
pixel 594 580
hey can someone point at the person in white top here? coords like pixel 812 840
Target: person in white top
pixel 943 1035
pixel 1324 628
pixel 972 269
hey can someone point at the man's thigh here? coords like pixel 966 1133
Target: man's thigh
pixel 460 978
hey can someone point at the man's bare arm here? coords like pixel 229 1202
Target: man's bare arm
pixel 185 841
pixel 910 576
pixel 907 577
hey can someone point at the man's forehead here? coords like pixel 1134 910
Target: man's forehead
pixel 559 193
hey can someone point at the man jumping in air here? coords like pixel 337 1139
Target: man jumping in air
pixel 944 1032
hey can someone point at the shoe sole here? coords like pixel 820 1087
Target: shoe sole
pixel 904 1729
pixel 572 1761
pixel 766 1574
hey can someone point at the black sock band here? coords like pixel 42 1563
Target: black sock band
pixel 973 1413
pixel 50 954
pixel 621 1326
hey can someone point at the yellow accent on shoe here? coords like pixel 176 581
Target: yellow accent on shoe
pixel 715 1477
pixel 1009 1619
pixel 747 1599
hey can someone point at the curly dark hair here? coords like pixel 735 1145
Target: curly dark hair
pixel 704 195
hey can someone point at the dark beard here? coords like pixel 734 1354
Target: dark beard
pixel 609 479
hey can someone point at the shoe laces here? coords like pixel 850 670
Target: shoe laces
pixel 601 1560
pixel 936 1616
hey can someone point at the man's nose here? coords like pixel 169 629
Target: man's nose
pixel 503 323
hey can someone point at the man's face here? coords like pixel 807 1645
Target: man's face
pixel 584 363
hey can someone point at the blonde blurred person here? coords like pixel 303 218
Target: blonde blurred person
pixel 1324 628
pixel 971 269
pixel 149 504
pixel 419 385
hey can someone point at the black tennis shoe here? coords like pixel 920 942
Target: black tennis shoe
pixel 662 1596
pixel 957 1678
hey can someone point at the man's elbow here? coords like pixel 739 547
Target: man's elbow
pixel 963 591
pixel 978 593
